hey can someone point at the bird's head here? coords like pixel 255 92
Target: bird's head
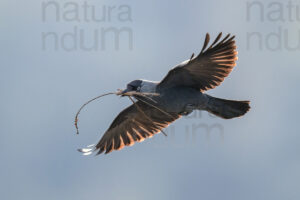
pixel 133 86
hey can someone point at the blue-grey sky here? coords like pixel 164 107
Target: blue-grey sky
pixel 255 157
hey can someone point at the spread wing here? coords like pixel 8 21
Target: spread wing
pixel 131 126
pixel 208 69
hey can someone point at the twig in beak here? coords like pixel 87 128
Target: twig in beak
pixel 129 94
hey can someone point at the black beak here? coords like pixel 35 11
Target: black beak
pixel 124 91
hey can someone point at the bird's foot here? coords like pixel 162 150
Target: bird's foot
pixel 188 109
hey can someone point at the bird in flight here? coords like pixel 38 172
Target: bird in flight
pixel 179 93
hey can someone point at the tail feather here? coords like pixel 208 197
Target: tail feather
pixel 227 109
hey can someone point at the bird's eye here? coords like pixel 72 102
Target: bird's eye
pixel 131 87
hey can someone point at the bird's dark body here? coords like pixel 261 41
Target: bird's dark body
pixel 180 99
pixel 183 100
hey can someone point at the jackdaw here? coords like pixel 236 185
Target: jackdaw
pixel 179 93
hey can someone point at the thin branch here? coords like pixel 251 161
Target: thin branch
pixel 77 114
pixel 129 94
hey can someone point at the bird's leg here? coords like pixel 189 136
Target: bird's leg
pixel 188 109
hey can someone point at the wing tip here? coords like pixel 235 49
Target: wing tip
pixel 226 40
pixel 85 151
